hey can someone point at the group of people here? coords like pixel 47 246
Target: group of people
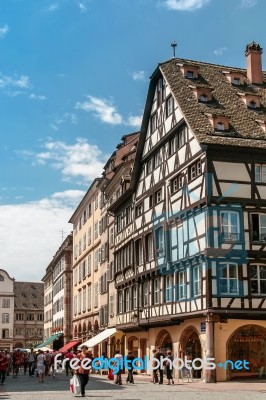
pixel 42 364
pixel 159 367
pixel 11 363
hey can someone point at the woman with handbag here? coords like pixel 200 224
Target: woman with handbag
pixel 83 373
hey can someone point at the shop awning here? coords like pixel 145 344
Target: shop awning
pixel 99 338
pixel 69 345
pixel 49 340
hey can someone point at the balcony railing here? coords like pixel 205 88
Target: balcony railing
pixel 259 238
pixel 231 237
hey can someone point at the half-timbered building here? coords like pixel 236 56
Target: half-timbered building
pixel 190 265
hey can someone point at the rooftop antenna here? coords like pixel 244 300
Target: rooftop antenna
pixel 173 45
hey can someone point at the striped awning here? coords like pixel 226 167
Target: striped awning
pixel 49 340
pixel 69 346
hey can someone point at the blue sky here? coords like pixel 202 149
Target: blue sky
pixel 74 76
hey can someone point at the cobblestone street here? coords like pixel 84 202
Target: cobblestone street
pixel 25 388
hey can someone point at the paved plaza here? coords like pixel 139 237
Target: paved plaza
pixel 99 387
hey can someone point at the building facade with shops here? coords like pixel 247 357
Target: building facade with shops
pixel 190 267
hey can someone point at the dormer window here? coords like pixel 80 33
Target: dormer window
pixel 236 81
pixel 203 95
pixel 220 126
pixel 252 101
pixel 203 98
pixel 252 104
pixel 189 71
pixel 219 122
pixel 190 74
pixel 235 78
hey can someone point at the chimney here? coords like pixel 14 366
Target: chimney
pixel 254 64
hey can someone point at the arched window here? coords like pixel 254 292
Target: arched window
pixel 1 278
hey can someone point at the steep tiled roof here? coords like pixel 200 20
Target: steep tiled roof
pixel 227 101
pixel 29 295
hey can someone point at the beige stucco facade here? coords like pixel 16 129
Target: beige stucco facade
pixel 6 310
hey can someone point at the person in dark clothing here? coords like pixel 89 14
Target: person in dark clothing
pixel 159 356
pixel 31 363
pixel 83 373
pixel 169 367
pixel 155 370
pixel 130 359
pixel 3 366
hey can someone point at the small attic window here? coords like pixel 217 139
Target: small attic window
pixel 203 98
pixel 252 104
pixel 220 126
pixel 236 81
pixel 190 74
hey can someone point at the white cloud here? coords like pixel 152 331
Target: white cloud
pixel 36 236
pixel 102 109
pixel 22 82
pixel 134 121
pixel 3 31
pixel 220 51
pixel 59 120
pixel 138 76
pixel 248 3
pixel 82 5
pixel 106 112
pixel 79 163
pixel 52 7
pixel 185 5
pixel 37 96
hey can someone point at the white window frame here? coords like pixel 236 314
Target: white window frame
pixel 228 279
pixel 196 281
pixel 168 288
pixel 182 285
pixel 134 297
pixel 156 291
pixel 258 279
pixel 145 293
pixel 228 229
pixel 260 173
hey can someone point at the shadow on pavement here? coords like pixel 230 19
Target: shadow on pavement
pixel 60 383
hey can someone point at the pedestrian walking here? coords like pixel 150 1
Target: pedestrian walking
pixel 119 367
pixel 154 367
pixel 159 369
pixel 9 365
pixel 40 366
pixel 3 367
pixel 83 373
pixel 31 363
pixel 129 360
pixel 47 362
pixel 69 355
pixel 169 367
pixel 17 360
pixel 25 362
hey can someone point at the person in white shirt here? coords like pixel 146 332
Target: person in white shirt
pixel 119 366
